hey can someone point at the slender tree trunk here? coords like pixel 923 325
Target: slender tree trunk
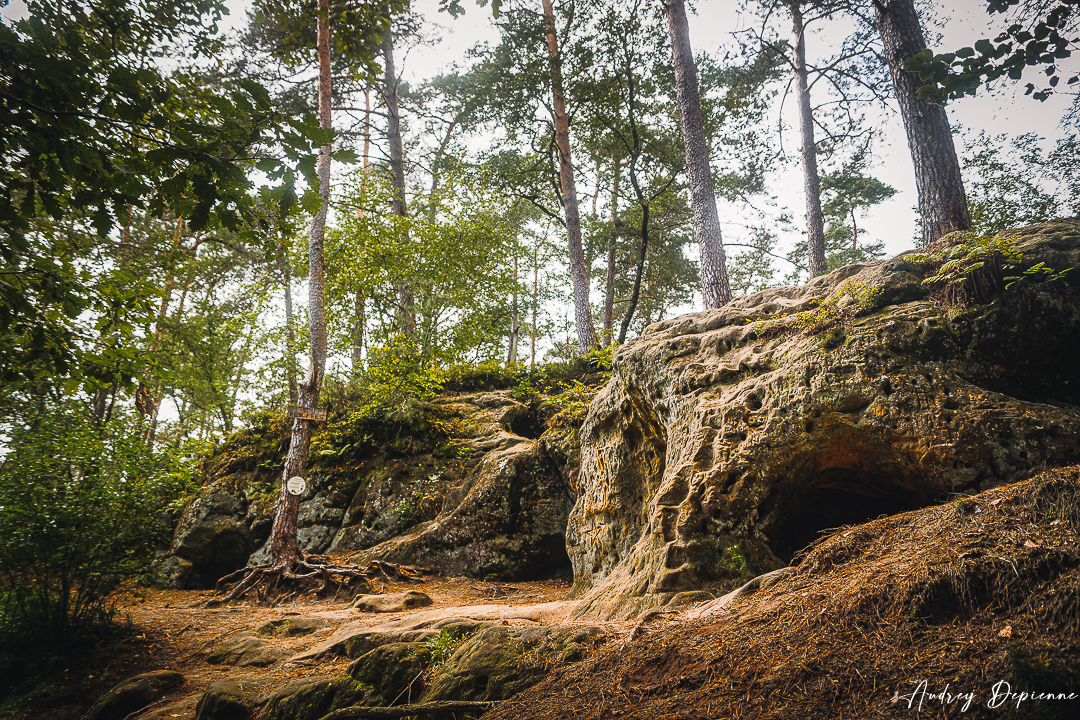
pixel 511 355
pixel 636 293
pixel 609 281
pixel 579 273
pixel 290 323
pixel 284 550
pixel 153 398
pixel 432 204
pixel 715 288
pixel 360 319
pixel 942 203
pixel 360 299
pixel 406 301
pixel 854 238
pixel 815 221
pixel 535 305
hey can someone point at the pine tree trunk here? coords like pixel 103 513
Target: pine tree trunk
pixel 579 273
pixel 815 221
pixel 942 202
pixel 609 281
pixel 406 300
pixel 715 288
pixel 284 551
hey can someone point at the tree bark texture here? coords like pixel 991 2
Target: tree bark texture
pixel 284 551
pixel 715 288
pixel 579 273
pixel 406 300
pixel 942 202
pixel 815 220
pixel 609 281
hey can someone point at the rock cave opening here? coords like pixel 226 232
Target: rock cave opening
pixel 832 499
pixel 527 425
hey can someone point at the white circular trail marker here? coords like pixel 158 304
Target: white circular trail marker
pixel 296 485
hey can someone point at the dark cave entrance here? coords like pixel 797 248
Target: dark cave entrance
pixel 832 499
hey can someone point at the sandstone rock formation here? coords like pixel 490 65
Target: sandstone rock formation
pixel 489 498
pixel 727 440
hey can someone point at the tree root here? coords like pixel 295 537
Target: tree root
pixel 428 708
pixel 309 575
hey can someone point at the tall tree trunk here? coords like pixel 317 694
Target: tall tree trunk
pixel 406 301
pixel 815 221
pixel 715 288
pixel 942 203
pixel 152 398
pixel 609 281
pixel 643 203
pixel 284 550
pixel 360 299
pixel 511 355
pixel 290 323
pixel 535 306
pixel 579 273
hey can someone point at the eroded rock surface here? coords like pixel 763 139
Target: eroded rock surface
pixel 490 499
pixel 722 446
pixel 133 694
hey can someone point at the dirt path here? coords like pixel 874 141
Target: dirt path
pixel 171 630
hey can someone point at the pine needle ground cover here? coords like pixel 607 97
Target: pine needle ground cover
pixel 979 593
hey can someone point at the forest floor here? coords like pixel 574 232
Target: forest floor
pixel 171 630
pixel 931 613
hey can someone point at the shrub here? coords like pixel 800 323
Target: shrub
pixel 80 512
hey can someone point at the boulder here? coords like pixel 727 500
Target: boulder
pixel 292 626
pixel 727 440
pixel 393 671
pixel 313 697
pixel 231 698
pixel 133 695
pixel 392 602
pixel 510 524
pixel 215 537
pixel 494 664
pixel 246 650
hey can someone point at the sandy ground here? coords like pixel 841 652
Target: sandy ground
pixel 172 631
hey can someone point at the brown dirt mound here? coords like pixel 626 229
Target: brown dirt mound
pixel 962 596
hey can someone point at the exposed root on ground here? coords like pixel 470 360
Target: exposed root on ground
pixel 428 708
pixel 311 575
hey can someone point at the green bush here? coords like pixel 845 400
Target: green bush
pixel 81 508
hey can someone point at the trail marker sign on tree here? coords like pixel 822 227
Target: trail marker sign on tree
pixel 306 413
pixel 296 485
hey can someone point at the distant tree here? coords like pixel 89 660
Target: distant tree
pixel 1014 182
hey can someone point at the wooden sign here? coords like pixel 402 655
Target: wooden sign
pixel 306 413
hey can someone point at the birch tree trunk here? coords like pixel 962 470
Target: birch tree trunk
pixel 579 273
pixel 715 288
pixel 942 202
pixel 815 221
pixel 406 300
pixel 284 551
